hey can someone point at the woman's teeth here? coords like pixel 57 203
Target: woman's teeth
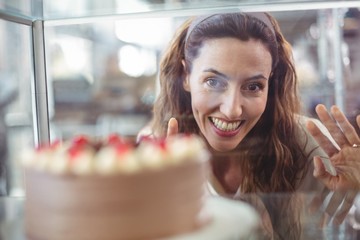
pixel 225 126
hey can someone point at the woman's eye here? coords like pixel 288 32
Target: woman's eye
pixel 216 84
pixel 254 87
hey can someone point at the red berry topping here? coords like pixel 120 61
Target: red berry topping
pixel 80 140
pixel 75 150
pixel 114 139
pixel 161 143
pixel 156 142
pixel 146 138
pixel 40 148
pixel 122 148
pixel 55 144
pixel 46 146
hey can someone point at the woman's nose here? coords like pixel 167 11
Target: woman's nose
pixel 232 105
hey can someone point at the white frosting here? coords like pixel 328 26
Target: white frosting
pixel 106 161
pixel 59 164
pixel 83 163
pixel 186 148
pixel 129 163
pixel 151 156
pixel 113 158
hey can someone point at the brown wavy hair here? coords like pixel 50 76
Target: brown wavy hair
pixel 270 157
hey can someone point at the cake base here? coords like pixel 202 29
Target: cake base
pixel 147 205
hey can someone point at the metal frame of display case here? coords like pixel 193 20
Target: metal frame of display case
pixel 41 123
pixel 39 85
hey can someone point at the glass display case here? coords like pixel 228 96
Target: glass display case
pixel 90 67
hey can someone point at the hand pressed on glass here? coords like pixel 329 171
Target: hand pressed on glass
pixel 346 158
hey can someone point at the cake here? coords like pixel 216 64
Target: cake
pixel 113 189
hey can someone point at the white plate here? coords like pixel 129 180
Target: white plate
pixel 230 220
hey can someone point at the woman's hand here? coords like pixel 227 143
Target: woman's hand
pixel 346 160
pixel 173 127
pixel 146 132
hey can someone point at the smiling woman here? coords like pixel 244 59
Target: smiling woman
pixel 229 85
pixel 230 78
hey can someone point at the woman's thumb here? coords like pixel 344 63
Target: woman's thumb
pixel 173 127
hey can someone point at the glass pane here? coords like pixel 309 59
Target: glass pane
pixel 16 129
pixel 326 54
pixel 102 76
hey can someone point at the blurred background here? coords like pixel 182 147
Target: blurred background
pixel 102 62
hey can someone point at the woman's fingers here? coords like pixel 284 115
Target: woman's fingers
pixel 358 120
pixel 348 130
pixel 173 127
pixel 319 169
pixel 330 180
pixel 145 132
pixel 331 125
pixel 321 139
pixel 347 165
pixel 344 209
pixel 318 200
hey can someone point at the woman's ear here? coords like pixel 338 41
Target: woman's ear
pixel 186 84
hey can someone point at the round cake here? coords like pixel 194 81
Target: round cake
pixel 114 189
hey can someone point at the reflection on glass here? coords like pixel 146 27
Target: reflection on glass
pixel 108 70
pixel 137 62
pixel 102 76
pixel 16 129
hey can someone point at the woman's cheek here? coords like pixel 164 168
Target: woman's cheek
pixel 204 102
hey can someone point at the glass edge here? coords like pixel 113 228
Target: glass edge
pixel 190 10
pixel 186 9
pixel 15 17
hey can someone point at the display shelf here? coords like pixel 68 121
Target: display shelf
pixel 68 12
pixel 189 8
pixel 240 224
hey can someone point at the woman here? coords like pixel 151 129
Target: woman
pixel 236 71
pixel 230 78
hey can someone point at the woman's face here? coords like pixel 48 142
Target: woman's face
pixel 229 86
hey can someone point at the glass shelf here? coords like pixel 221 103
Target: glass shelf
pixel 80 11
pixel 223 225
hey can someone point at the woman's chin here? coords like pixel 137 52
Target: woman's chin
pixel 223 147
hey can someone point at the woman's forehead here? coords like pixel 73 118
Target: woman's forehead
pixel 231 53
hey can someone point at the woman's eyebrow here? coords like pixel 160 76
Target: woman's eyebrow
pixel 211 70
pixel 252 78
pixel 257 77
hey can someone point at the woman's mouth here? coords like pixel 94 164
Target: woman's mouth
pixel 225 126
